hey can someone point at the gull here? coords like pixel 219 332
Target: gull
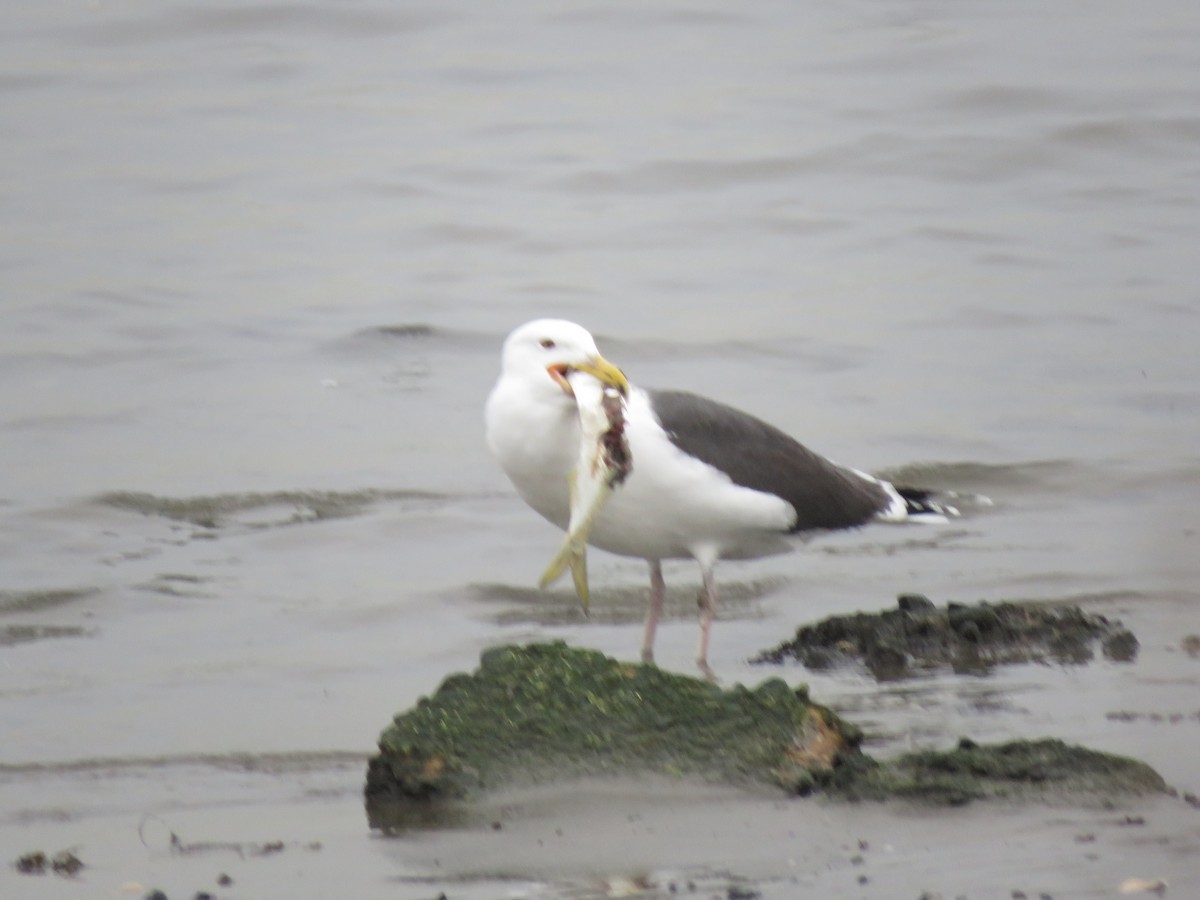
pixel 708 482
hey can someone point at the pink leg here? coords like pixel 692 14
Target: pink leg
pixel 708 609
pixel 653 609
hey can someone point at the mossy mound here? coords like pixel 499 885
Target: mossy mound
pixel 546 711
pixel 918 637
pixel 1043 770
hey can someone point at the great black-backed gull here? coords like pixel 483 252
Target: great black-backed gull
pixel 708 481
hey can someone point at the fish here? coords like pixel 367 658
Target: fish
pixel 604 462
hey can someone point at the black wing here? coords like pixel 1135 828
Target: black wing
pixel 760 456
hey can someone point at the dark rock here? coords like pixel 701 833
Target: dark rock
pixel 32 863
pixel 66 863
pixel 1120 647
pixel 917 637
pixel 63 863
pixel 886 661
pixel 915 603
pixel 1023 770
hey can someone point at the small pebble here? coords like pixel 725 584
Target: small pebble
pixel 66 863
pixel 32 863
pixel 1141 885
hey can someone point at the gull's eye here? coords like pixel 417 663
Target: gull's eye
pixel 547 343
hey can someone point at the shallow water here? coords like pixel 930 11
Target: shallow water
pixel 257 263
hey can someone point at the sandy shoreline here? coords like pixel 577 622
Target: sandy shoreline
pixel 287 825
pixel 635 838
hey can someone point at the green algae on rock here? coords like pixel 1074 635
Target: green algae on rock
pixel 917 637
pixel 546 712
pixel 1043 770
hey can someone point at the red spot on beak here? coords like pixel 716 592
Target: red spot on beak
pixel 558 372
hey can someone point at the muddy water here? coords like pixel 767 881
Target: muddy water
pixel 256 267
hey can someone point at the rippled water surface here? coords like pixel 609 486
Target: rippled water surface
pixel 255 268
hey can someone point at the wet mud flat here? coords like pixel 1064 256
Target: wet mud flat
pixel 461 763
pixel 587 839
pixel 270 828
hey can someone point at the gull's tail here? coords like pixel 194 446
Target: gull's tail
pixel 922 505
pixel 909 504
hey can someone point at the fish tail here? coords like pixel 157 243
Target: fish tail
pixel 572 555
pixel 557 566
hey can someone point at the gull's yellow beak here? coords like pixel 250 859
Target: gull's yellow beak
pixel 598 367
